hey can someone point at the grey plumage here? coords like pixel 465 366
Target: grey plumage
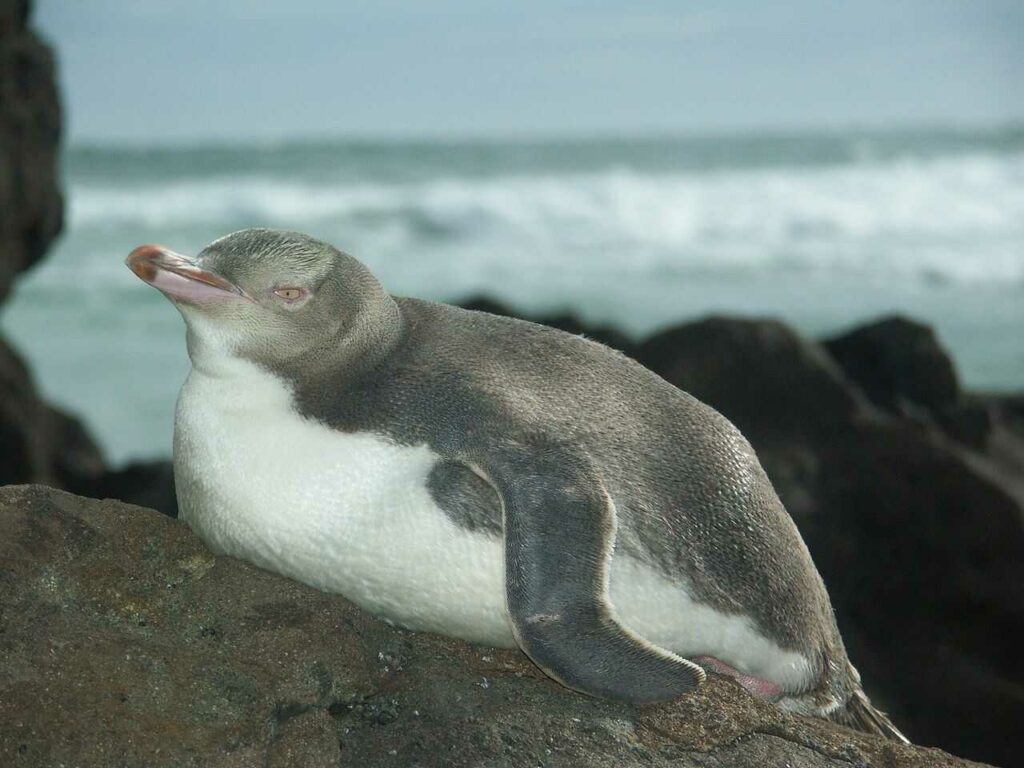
pixel 532 424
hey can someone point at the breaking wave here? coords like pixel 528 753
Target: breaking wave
pixel 951 218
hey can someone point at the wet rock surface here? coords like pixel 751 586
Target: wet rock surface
pixel 123 641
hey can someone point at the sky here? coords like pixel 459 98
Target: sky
pixel 163 72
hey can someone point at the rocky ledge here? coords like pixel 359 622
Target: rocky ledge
pixel 124 641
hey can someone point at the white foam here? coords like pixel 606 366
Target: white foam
pixel 958 218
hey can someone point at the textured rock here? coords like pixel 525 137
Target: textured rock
pixel 123 641
pixel 31 206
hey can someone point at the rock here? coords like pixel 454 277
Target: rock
pixel 923 555
pixel 31 206
pixel 764 374
pixel 970 421
pixel 123 641
pixel 919 539
pixel 899 364
pixel 144 483
pixel 40 443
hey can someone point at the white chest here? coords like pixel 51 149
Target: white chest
pixel 348 513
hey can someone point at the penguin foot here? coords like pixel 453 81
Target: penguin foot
pixel 763 689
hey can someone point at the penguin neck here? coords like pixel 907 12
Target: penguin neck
pixel 372 334
pixel 373 331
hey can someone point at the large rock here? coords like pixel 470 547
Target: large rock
pixel 919 539
pixel 31 207
pixel 764 371
pixel 899 363
pixel 123 641
pixel 38 443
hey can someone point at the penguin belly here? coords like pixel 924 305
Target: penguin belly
pixel 343 512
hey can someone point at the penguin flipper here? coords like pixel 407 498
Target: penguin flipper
pixel 559 528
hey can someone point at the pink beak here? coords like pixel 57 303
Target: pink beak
pixel 179 278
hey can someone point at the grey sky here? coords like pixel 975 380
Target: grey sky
pixel 150 71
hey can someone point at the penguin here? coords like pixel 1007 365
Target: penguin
pixel 490 479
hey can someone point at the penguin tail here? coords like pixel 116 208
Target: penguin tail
pixel 859 714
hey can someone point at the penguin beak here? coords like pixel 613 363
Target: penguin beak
pixel 180 278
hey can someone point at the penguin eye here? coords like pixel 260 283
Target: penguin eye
pixel 290 294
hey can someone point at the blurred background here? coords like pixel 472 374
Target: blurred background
pixel 635 164
pixel 619 169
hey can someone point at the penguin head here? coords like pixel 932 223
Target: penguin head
pixel 266 295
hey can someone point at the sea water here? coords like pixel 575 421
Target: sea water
pixel 821 230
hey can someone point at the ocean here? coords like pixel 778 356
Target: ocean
pixel 822 230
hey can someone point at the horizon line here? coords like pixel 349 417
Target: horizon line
pixel 951 129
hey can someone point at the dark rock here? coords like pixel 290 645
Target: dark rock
pixel 899 364
pixel 919 539
pixel 998 433
pixel 39 443
pixel 1012 410
pixel 123 641
pixel 970 421
pixel 146 484
pixel 762 374
pixel 31 206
